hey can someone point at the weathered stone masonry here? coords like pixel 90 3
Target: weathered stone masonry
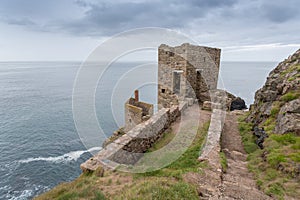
pixel 136 112
pixel 129 148
pixel 186 71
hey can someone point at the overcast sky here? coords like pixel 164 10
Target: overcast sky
pixel 245 30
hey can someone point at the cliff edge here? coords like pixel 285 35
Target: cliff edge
pixel 277 103
pixel 271 132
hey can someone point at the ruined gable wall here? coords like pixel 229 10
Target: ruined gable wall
pixel 133 116
pixel 136 112
pixel 206 62
pixel 169 59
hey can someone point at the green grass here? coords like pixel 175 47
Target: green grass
pixel 275 110
pixel 186 162
pixel 163 141
pixel 167 183
pixel 275 189
pixel 247 139
pixel 274 167
pixel 269 125
pixel 294 77
pixel 292 95
pixel 68 195
pixel 223 162
pixel 275 158
pixel 290 69
pixel 189 160
pixel 286 139
pixel 84 187
pixel 271 174
pixel 159 189
pixel 99 196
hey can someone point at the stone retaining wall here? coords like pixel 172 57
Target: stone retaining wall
pixel 212 142
pixel 130 147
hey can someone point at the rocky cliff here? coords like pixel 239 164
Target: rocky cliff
pixel 273 124
pixel 277 103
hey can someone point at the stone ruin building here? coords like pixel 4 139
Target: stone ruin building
pixel 186 71
pixel 186 74
pixel 136 111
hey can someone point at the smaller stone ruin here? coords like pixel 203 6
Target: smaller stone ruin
pixel 136 112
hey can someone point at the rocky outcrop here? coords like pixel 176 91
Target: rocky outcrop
pixel 277 103
pixel 225 99
pixel 289 118
pixel 237 104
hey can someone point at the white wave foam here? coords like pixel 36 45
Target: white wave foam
pixel 26 193
pixel 71 156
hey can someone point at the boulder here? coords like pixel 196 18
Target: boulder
pixel 291 107
pixel 261 135
pixel 266 95
pixel 266 108
pixel 238 104
pixel 287 123
pixel 289 118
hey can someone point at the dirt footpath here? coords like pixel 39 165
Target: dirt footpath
pixel 237 182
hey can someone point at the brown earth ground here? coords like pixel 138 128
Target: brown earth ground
pixel 238 182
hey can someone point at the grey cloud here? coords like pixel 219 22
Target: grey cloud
pixel 211 3
pixel 106 17
pixel 81 3
pixel 20 22
pixel 227 20
pixel 279 11
pixel 110 18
